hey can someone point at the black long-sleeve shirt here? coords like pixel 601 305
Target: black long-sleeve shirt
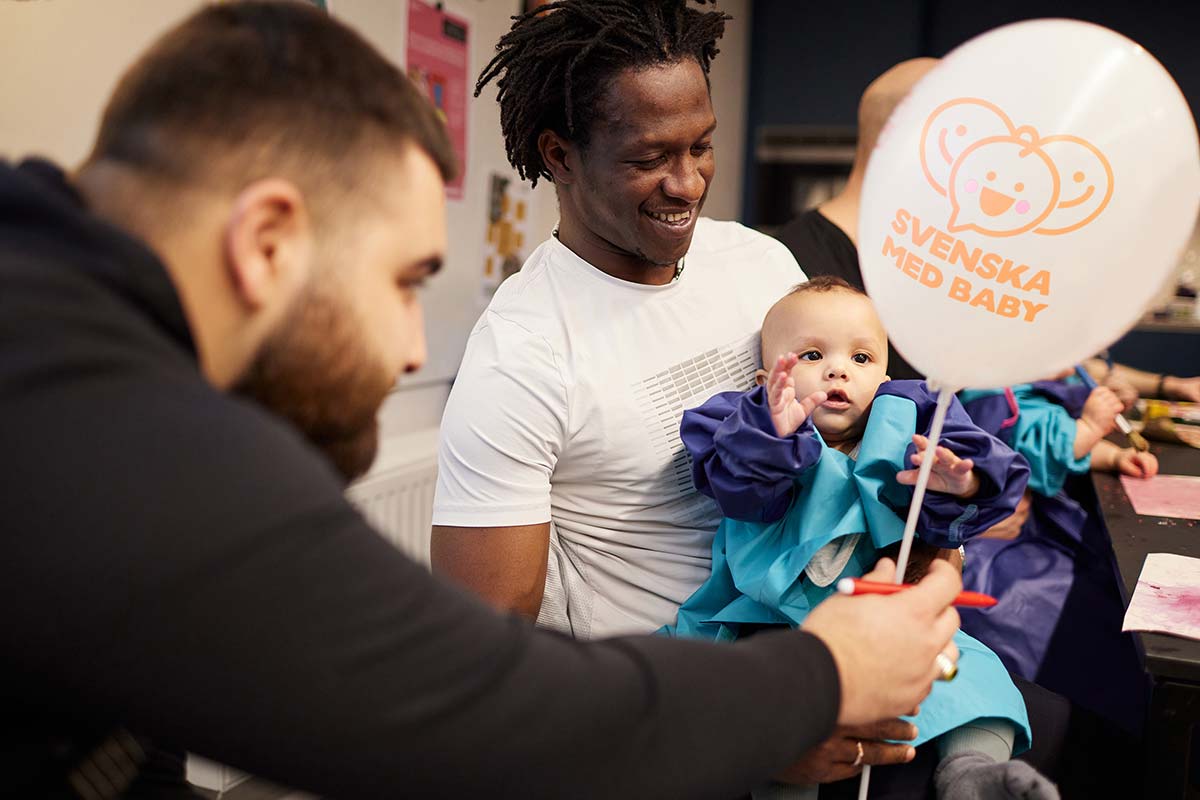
pixel 178 561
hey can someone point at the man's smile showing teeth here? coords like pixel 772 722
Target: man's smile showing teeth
pixel 679 218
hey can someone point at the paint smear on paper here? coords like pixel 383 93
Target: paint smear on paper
pixel 1167 597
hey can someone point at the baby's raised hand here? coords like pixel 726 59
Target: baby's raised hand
pixel 788 413
pixel 1100 411
pixel 949 474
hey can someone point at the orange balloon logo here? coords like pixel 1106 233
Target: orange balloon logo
pixel 1004 180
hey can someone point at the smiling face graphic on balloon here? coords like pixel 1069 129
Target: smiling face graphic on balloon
pixel 1086 183
pixel 1003 181
pixel 1002 186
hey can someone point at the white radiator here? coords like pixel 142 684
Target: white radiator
pixel 396 496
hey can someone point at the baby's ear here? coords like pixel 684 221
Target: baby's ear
pixel 760 377
pixel 887 378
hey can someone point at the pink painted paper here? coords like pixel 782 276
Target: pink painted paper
pixel 1164 495
pixel 1167 597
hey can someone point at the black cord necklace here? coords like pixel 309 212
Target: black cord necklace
pixel 678 264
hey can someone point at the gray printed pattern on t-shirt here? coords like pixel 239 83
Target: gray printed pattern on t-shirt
pixel 664 396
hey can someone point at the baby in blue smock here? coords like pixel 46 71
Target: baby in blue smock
pixel 812 470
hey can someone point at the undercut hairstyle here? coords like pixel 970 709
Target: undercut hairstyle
pixel 553 67
pixel 825 283
pixel 241 91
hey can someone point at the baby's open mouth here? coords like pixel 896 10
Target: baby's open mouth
pixel 837 395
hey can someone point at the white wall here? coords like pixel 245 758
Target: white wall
pixel 59 60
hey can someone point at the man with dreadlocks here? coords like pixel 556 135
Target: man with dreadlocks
pixel 566 495
pixel 589 355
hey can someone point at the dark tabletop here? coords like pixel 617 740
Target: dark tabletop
pixel 1134 536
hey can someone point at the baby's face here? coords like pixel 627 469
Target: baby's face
pixel 842 350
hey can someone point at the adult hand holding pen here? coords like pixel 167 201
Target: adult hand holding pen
pixel 886 647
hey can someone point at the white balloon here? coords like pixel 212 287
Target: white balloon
pixel 1026 201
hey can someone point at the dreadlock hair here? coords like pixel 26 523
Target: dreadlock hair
pixel 554 65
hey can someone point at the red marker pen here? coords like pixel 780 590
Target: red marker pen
pixel 856 586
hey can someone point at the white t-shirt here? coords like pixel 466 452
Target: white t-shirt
pixel 567 407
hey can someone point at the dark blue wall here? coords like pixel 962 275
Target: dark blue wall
pixel 810 61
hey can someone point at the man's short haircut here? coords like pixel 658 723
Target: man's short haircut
pixel 245 90
pixel 825 283
pixel 554 66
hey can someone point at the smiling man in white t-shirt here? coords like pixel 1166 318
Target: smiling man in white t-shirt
pixel 564 491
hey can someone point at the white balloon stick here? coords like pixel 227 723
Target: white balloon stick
pixel 914 511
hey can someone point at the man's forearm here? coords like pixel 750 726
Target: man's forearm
pixel 319 657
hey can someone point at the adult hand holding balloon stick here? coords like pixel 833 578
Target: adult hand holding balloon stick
pixel 1008 200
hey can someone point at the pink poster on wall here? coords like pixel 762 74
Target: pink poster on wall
pixel 437 63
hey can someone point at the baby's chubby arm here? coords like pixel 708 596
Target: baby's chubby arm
pixel 740 459
pixel 1108 457
pixel 1098 419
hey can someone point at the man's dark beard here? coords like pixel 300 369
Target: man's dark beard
pixel 314 371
